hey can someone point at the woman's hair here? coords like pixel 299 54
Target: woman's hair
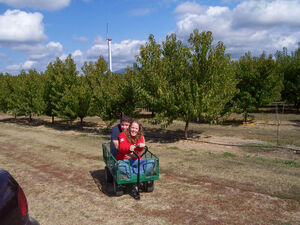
pixel 138 135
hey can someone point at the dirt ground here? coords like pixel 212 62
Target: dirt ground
pixel 229 174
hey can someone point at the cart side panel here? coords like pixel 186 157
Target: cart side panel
pixel 108 158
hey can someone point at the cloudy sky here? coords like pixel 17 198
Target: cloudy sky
pixel 34 32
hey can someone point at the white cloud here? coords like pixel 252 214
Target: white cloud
pixel 22 66
pixel 78 57
pixel 80 39
pixel 76 53
pixel 254 25
pixel 18 26
pixel 39 51
pixel 122 53
pixel 267 13
pixel 98 40
pixel 190 8
pixel 96 50
pixel 38 4
pixel 38 56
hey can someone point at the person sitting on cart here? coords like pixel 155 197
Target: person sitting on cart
pixel 115 132
pixel 131 140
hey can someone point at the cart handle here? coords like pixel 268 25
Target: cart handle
pixel 145 151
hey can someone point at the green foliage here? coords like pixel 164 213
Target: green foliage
pixel 53 87
pixel 68 105
pixel 181 96
pixel 260 83
pixel 61 89
pixel 181 82
pixel 31 97
pixel 129 95
pixel 23 94
pixel 84 97
pixel 105 88
pixel 214 73
pixel 14 100
pixel 5 92
pixel 290 67
pixel 150 76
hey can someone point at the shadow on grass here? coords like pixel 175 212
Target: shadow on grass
pixel 85 127
pixel 108 189
pixel 151 134
pixel 168 136
pixel 99 179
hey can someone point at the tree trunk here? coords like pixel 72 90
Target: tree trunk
pixel 186 129
pixel 52 119
pixel 81 120
pixel 30 117
pixel 245 116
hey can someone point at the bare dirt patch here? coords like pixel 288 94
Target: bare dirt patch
pixel 218 177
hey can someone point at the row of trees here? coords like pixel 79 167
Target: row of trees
pixel 172 80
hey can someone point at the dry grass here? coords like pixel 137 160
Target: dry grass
pixel 225 175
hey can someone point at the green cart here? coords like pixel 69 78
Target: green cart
pixel 122 172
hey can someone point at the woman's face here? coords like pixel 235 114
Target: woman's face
pixel 134 129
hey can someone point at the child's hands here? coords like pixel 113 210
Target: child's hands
pixel 132 147
pixel 140 145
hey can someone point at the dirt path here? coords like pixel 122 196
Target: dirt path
pixel 62 175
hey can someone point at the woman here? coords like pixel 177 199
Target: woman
pixel 131 140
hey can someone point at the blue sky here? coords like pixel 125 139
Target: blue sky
pixel 35 32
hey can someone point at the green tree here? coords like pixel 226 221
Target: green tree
pixel 150 75
pixel 129 98
pixel 186 81
pixel 15 99
pixel 260 83
pixel 214 73
pixel 60 89
pixel 5 92
pixel 84 95
pixel 53 87
pixel 290 67
pixel 181 99
pixel 31 93
pixel 105 90
pixel 67 106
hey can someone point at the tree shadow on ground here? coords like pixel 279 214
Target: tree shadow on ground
pixel 99 179
pixel 62 125
pixel 168 136
pixel 151 134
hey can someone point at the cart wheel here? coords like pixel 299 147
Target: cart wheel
pixel 149 186
pixel 108 176
pixel 118 189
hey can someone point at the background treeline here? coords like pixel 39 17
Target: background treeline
pixel 173 80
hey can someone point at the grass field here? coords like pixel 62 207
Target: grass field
pixel 229 174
